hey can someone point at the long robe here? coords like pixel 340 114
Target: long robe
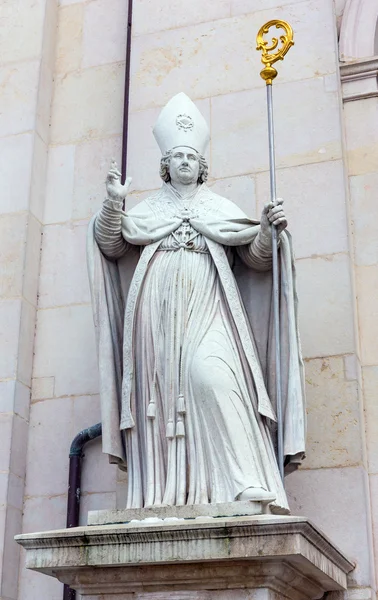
pixel 188 376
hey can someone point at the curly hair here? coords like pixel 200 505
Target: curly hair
pixel 166 159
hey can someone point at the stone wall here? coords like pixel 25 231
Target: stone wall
pixel 26 69
pixel 206 50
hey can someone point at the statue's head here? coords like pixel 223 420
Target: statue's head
pixel 183 129
pixel 184 165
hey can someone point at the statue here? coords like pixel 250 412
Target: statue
pixel 182 298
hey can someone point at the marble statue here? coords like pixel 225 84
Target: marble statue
pixel 182 296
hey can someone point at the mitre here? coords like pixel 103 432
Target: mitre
pixel 180 123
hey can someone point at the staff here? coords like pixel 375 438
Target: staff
pixel 268 74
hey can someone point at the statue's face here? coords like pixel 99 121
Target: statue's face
pixel 184 166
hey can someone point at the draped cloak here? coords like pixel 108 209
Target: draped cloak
pixel 117 284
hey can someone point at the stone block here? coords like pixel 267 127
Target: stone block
pixel 38 178
pixel 98 475
pixel 49 444
pixel 94 100
pixel 170 514
pixel 92 163
pixel 92 501
pixel 315 206
pixel 367 285
pixel 370 386
pixel 59 184
pixel 18 100
pixel 240 7
pixel 6 423
pixel 44 98
pixel 15 189
pixel 26 343
pixel 50 33
pixel 16 491
pixel 14 397
pixel 10 319
pixel 364 215
pixel 148 16
pixel 69 47
pixel 9 579
pixel 68 2
pixel 333 415
pixel 4 480
pixel 34 586
pixel 361 129
pixel 42 388
pixel 373 481
pixel 239 128
pixel 13 231
pixel 19 256
pixel 19 443
pixel 143 149
pixel 7 396
pixel 241 190
pixel 73 361
pixel 166 62
pixel 32 255
pixel 63 274
pixel 121 495
pixel 104 20
pixel 336 501
pixel 44 511
pixel 325 305
pixel 21 29
pixel 22 400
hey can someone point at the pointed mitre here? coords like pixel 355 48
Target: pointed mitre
pixel 180 123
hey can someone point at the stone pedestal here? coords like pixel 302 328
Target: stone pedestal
pixel 236 558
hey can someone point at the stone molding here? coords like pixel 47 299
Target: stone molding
pixel 359 79
pixel 358 26
pixel 287 555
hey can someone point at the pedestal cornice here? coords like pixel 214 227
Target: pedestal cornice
pixel 287 555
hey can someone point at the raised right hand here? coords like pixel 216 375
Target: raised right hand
pixel 114 187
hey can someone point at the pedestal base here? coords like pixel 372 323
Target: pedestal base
pixel 167 513
pixel 238 558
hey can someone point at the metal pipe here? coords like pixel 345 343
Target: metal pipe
pixel 276 299
pixel 126 101
pixel 76 456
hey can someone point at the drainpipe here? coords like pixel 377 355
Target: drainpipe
pixel 74 481
pixel 77 447
pixel 125 131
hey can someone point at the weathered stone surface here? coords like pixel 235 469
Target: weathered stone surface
pixel 325 305
pixel 336 499
pixel 361 136
pixel 286 555
pixel 217 57
pixel 72 364
pixel 83 95
pixel 226 509
pixel 317 190
pixel 239 135
pixel 333 417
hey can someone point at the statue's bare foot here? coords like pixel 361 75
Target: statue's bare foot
pixel 255 494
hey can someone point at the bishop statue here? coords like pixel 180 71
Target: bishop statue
pixel 182 297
